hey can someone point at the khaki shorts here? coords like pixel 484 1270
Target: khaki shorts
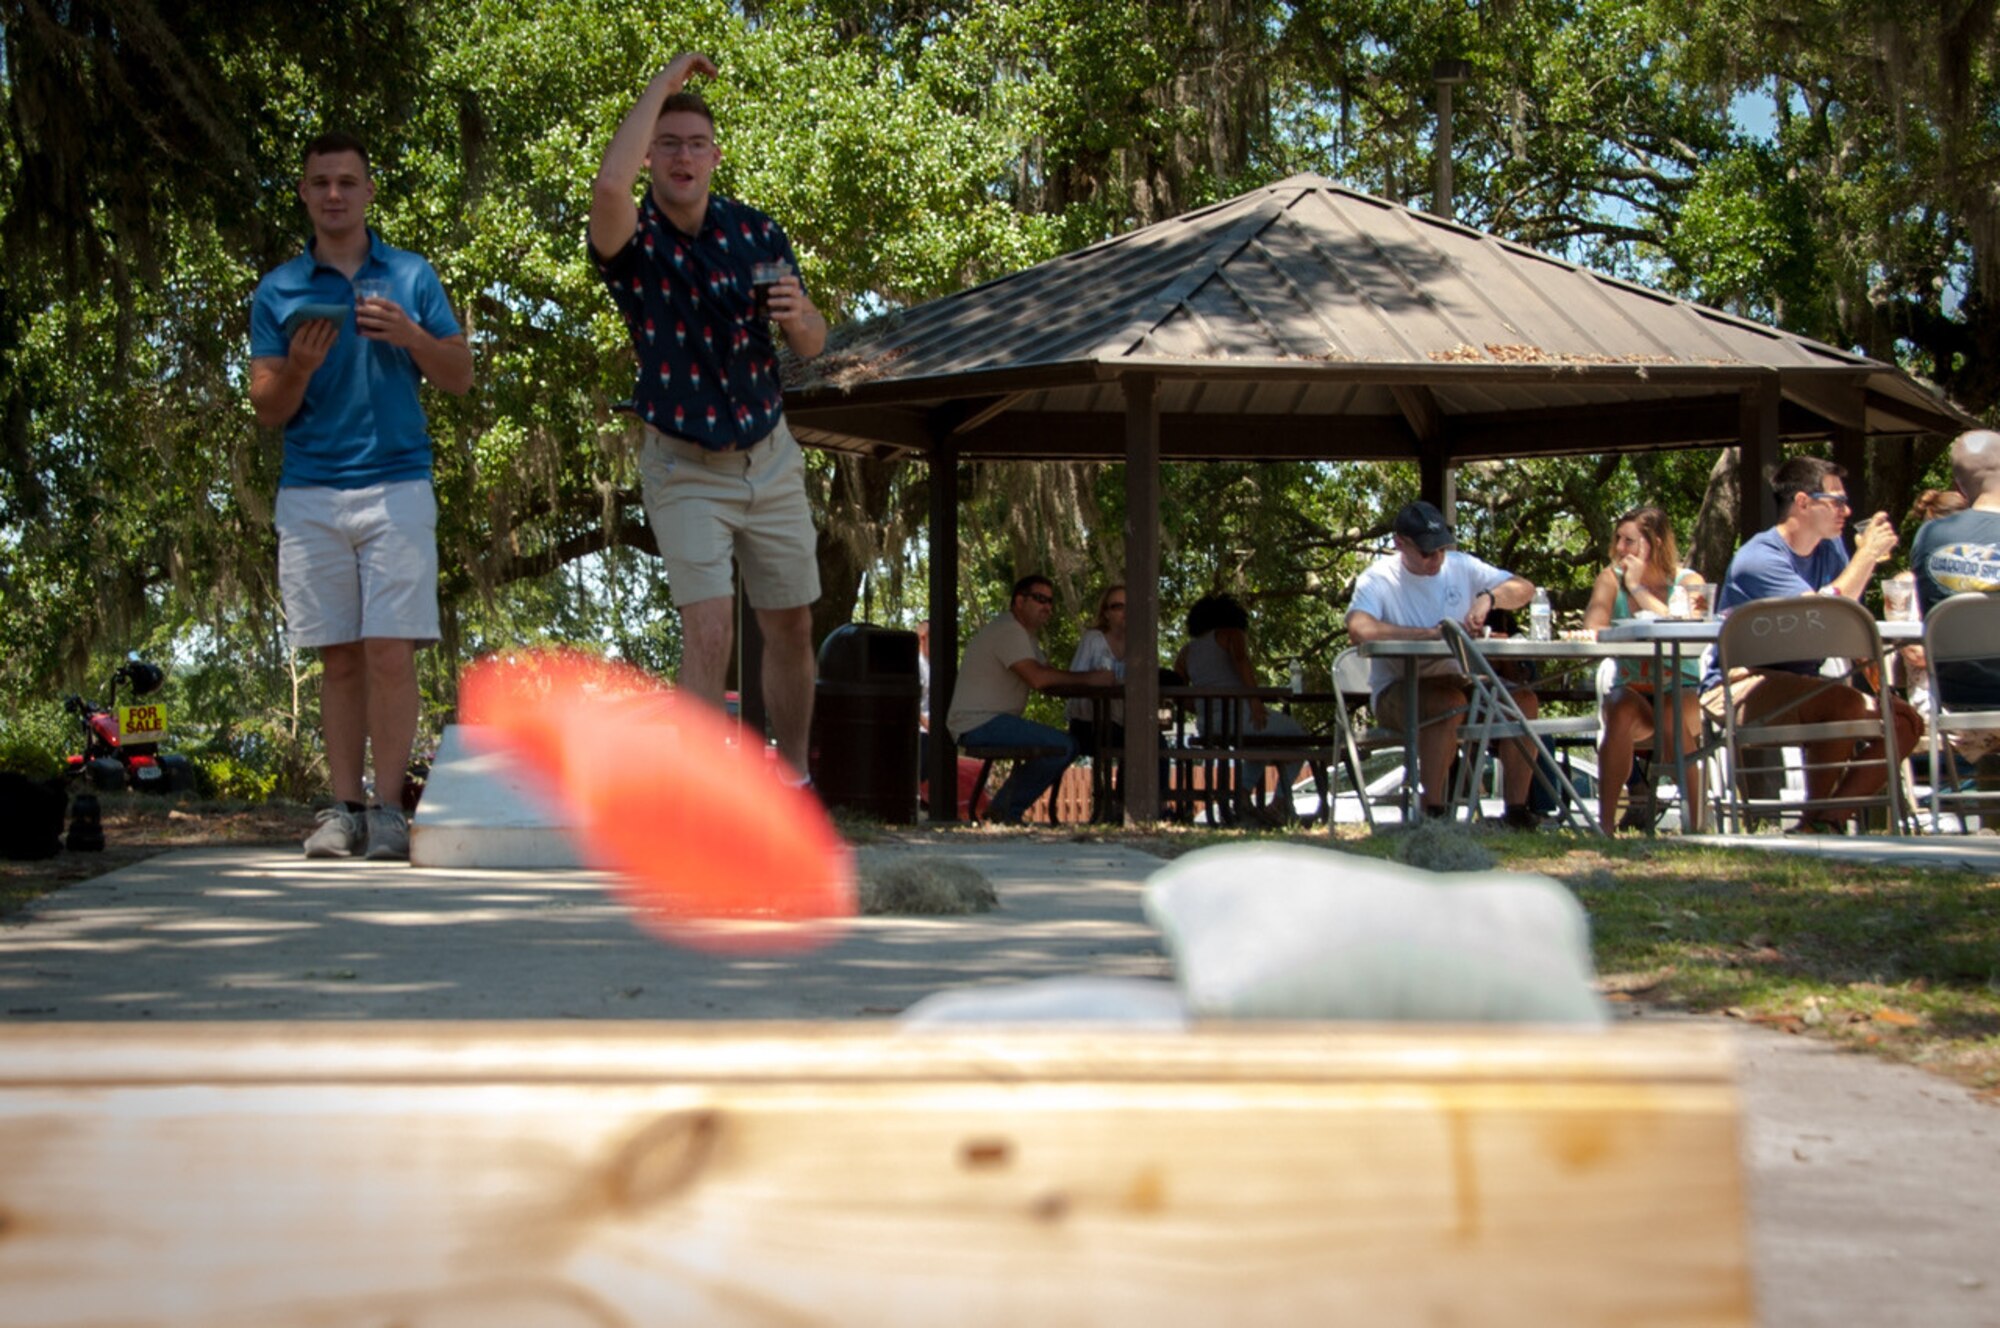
pixel 705 506
pixel 358 564
pixel 1436 694
pixel 1762 693
pixel 1759 693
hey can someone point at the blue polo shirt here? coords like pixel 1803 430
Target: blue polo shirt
pixel 708 367
pixel 360 422
pixel 1766 568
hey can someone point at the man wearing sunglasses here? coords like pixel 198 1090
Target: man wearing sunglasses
pixel 1002 664
pixel 693 275
pixel 1803 555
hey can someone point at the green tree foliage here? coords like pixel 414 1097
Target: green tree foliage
pixel 912 147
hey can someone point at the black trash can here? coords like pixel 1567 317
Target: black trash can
pixel 864 729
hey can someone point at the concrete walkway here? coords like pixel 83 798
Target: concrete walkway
pixel 1875 1189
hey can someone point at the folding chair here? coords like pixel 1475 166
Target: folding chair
pixel 1493 715
pixel 1768 632
pixel 1965 629
pixel 1350 679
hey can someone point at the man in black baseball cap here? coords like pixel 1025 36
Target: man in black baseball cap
pixel 1403 597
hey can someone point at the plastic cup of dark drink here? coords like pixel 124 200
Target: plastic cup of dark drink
pixel 763 276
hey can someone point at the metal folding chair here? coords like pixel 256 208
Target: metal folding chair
pixel 1492 715
pixel 1965 629
pixel 1768 632
pixel 1350 679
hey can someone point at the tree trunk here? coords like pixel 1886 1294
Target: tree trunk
pixel 853 535
pixel 1713 541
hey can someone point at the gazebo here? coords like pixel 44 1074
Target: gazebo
pixel 1306 321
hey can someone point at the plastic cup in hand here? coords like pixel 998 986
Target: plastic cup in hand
pixel 763 276
pixel 371 288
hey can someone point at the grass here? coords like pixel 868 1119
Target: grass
pixel 1896 961
pixel 1901 962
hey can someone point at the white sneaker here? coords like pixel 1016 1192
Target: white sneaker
pixel 388 835
pixel 340 834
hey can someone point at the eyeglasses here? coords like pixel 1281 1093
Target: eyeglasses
pixel 1837 499
pixel 1116 604
pixel 1041 599
pixel 673 147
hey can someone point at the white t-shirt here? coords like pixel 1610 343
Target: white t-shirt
pixel 987 684
pixel 1094 652
pixel 1389 591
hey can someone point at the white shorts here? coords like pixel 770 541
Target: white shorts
pixel 703 506
pixel 358 564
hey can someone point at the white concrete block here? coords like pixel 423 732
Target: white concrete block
pixel 480 809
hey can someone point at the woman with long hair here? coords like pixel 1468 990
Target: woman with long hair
pixel 1102 646
pixel 1643 570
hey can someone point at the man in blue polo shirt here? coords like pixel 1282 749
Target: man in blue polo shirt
pixel 339 337
pixel 721 473
pixel 1803 555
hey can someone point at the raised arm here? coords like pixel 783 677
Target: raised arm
pixel 612 219
pixel 1603 599
pixel 1875 541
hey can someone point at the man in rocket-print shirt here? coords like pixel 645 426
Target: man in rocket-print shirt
pixel 721 474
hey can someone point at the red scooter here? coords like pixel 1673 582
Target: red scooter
pixel 121 744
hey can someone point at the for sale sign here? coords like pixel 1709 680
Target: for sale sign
pixel 142 723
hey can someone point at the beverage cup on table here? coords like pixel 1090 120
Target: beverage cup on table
pixel 1701 599
pixel 1899 599
pixel 763 276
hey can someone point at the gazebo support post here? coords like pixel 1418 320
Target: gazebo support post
pixel 1757 436
pixel 943 772
pixel 1437 479
pixel 1142 597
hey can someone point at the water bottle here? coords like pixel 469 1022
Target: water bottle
pixel 1298 677
pixel 1538 616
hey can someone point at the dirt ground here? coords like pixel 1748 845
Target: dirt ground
pixel 139 825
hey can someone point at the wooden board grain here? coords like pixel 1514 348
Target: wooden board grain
pixel 758 1174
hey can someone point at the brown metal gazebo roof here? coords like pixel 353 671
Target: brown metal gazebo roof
pixel 1329 325
pixel 1305 321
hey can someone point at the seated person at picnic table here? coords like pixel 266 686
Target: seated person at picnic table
pixel 1403 597
pixel 1915 671
pixel 1002 664
pixel 1954 553
pixel 1102 646
pixel 1803 555
pixel 1643 571
pixel 1217 656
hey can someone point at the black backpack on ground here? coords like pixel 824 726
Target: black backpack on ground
pixel 31 817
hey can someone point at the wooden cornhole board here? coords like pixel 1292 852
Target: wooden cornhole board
pixel 439 1176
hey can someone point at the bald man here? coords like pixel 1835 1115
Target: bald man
pixel 1961 552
